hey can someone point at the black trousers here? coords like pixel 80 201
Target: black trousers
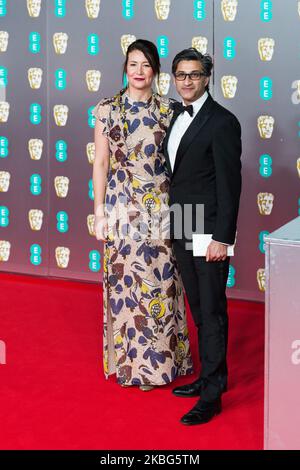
pixel 205 287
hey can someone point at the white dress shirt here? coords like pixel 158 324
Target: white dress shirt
pixel 180 126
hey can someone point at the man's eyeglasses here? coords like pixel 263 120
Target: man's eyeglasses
pixel 181 76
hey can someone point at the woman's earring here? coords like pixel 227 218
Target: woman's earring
pixel 125 80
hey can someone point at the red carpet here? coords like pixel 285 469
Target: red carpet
pixel 54 396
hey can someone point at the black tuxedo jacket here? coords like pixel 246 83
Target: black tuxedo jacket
pixel 208 170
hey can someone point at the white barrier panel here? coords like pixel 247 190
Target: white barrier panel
pixel 282 338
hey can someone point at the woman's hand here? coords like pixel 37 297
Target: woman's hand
pixel 101 227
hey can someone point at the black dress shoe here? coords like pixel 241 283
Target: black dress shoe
pixel 189 390
pixel 203 412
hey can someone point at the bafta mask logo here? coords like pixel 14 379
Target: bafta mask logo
pixel 90 152
pixel 164 82
pixel 62 256
pixel 61 184
pixel 126 40
pixel 229 9
pixel 60 113
pixel 229 85
pixel 266 48
pixel 4 250
pixel 35 217
pixel 265 203
pixel 3 41
pixel 93 80
pixel 91 224
pixel 34 8
pixel 162 9
pixel 298 89
pixel 200 43
pixel 4 111
pixel 261 279
pixel 92 8
pixel 298 167
pixel 60 42
pixel 35 76
pixel 265 126
pixel 35 147
pixel 4 181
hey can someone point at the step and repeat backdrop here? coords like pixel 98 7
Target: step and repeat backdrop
pixel 58 58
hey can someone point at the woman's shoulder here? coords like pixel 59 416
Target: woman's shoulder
pixel 165 104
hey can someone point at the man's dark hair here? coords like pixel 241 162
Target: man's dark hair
pixel 150 52
pixel 192 54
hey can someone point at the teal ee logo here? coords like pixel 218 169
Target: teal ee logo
pixel 60 8
pixel 265 168
pixel 61 153
pixel 35 254
pixel 128 9
pixel 3 10
pixel 4 216
pixel 91 190
pixel 3 147
pixel 163 46
pixel 34 42
pixel 93 44
pixel 266 12
pixel 229 48
pixel 231 277
pixel 94 263
pixel 199 10
pixel 91 118
pixel 3 77
pixel 261 237
pixel 62 222
pixel 35 184
pixel 60 79
pixel 265 90
pixel 35 113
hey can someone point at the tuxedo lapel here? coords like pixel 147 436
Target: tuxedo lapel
pixel 165 143
pixel 191 132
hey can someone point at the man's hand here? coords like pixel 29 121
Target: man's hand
pixel 216 251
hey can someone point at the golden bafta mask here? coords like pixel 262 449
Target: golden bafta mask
pixel 90 152
pixel 34 8
pixel 60 42
pixel 229 9
pixel 35 76
pixel 229 85
pixel 298 89
pixel 200 43
pixel 266 48
pixel 265 126
pixel 162 9
pixel 4 181
pixel 4 111
pixel 92 8
pixel 3 41
pixel 261 279
pixel 265 203
pixel 61 184
pixel 93 79
pixel 126 40
pixel 4 250
pixel 91 224
pixel 164 82
pixel 298 167
pixel 35 217
pixel 60 113
pixel 35 147
pixel 62 256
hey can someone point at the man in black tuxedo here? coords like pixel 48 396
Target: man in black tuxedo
pixel 202 150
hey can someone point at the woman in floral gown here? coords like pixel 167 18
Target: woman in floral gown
pixel 145 333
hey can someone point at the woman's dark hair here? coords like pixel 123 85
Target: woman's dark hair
pixel 150 52
pixel 192 54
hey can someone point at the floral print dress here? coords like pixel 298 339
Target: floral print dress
pixel 145 333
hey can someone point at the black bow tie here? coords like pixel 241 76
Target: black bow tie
pixel 179 108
